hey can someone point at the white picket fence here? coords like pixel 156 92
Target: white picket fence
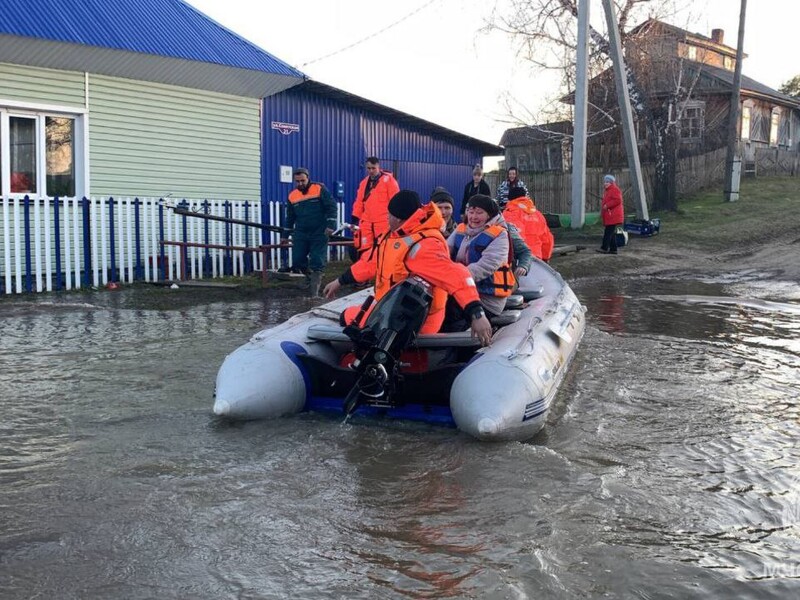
pixel 67 243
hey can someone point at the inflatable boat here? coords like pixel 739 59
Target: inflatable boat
pixel 500 392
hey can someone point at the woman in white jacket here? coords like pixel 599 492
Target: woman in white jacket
pixel 483 245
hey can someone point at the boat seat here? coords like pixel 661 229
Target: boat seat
pixel 531 294
pixel 506 318
pixel 514 301
pixel 456 339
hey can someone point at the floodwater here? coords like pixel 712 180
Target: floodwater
pixel 669 467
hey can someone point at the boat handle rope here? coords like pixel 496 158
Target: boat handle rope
pixel 528 339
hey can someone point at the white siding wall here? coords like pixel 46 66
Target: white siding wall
pixel 41 86
pixel 151 139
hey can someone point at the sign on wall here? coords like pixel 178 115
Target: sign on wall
pixel 286 128
pixel 286 174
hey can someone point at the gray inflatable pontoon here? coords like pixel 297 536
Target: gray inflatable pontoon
pixel 502 392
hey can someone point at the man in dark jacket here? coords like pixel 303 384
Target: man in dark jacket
pixel 311 213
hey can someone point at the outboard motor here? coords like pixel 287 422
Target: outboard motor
pixel 389 329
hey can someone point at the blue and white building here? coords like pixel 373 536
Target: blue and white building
pixel 148 99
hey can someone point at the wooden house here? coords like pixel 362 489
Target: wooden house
pixel 687 79
pixel 546 147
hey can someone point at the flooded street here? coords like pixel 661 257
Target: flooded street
pixel 669 467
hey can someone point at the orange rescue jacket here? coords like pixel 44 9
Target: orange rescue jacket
pixel 532 226
pixel 418 248
pixel 372 210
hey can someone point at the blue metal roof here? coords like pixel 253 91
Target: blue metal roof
pixel 169 29
pixel 392 115
pixel 332 132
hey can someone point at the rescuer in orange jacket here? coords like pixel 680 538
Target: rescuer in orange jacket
pixel 369 208
pixel 532 225
pixel 415 246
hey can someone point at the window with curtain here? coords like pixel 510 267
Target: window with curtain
pixel 43 154
pixel 22 154
pixel 60 155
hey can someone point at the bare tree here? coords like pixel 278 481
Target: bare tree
pixel 659 83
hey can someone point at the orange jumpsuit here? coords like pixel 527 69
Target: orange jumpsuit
pixel 417 248
pixel 372 210
pixel 532 226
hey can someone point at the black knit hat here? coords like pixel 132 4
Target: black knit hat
pixel 486 203
pixel 516 192
pixel 404 204
pixel 440 195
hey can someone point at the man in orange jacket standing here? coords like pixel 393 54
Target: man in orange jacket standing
pixel 370 207
pixel 415 246
pixel 521 211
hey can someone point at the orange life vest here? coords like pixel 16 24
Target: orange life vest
pixel 313 192
pixel 392 266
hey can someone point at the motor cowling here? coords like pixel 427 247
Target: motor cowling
pixel 389 328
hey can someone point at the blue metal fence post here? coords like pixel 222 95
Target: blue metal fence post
pixel 139 268
pixel 207 269
pixel 87 243
pixel 184 254
pixel 265 218
pixel 248 256
pixel 162 255
pixel 111 239
pixel 57 233
pixel 26 211
pixel 228 270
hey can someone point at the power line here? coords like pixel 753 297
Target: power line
pixel 369 37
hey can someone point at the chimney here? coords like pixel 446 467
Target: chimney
pixel 717 35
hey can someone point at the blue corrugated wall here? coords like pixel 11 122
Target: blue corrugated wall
pixel 334 139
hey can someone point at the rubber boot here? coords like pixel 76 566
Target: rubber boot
pixel 314 282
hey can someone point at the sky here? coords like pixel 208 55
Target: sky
pixel 429 58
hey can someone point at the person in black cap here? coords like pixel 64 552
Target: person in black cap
pixel 442 198
pixel 414 245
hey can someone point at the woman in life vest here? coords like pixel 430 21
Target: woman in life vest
pixel 482 244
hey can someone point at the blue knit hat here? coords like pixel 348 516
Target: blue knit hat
pixel 609 179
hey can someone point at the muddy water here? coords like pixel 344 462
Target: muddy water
pixel 668 468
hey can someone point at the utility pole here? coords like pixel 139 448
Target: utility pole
pixel 733 160
pixel 579 129
pixel 625 113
